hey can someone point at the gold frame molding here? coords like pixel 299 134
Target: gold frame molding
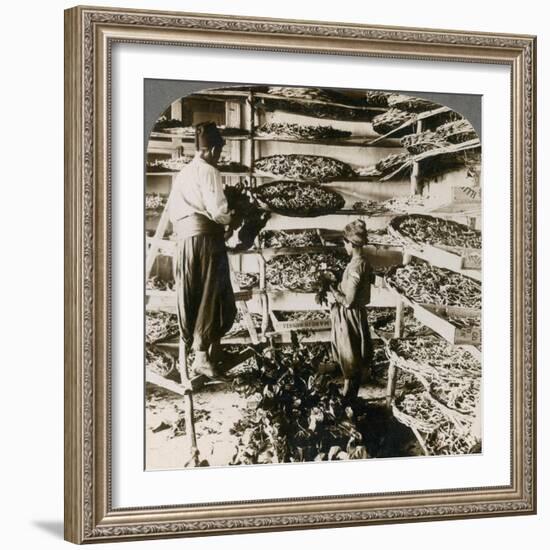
pixel 89 35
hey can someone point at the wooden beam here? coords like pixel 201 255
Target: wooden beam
pixel 164 383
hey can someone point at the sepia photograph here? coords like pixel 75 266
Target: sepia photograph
pixel 313 275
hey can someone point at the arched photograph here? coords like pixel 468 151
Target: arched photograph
pixel 312 275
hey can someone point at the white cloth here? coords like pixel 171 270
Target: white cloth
pixel 198 189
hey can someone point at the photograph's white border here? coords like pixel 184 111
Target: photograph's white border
pixel 131 485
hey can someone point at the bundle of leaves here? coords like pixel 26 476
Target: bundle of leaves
pixel 326 280
pixel 249 219
pixel 296 414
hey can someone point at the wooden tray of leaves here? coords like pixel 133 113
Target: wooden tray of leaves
pixel 302 272
pixel 297 167
pixel 298 199
pixel 421 283
pixel 442 242
pixel 450 375
pixel 436 434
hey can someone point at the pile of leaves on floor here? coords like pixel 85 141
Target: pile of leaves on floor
pixel 295 413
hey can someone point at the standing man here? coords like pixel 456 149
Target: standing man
pixel 198 212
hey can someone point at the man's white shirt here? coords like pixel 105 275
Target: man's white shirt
pixel 198 189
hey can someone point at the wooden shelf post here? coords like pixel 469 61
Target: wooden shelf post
pixel 264 296
pixel 251 141
pixel 390 388
pixel 392 370
pixel 415 172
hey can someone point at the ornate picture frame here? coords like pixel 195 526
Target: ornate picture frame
pixel 90 34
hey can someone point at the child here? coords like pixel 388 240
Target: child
pixel 350 337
